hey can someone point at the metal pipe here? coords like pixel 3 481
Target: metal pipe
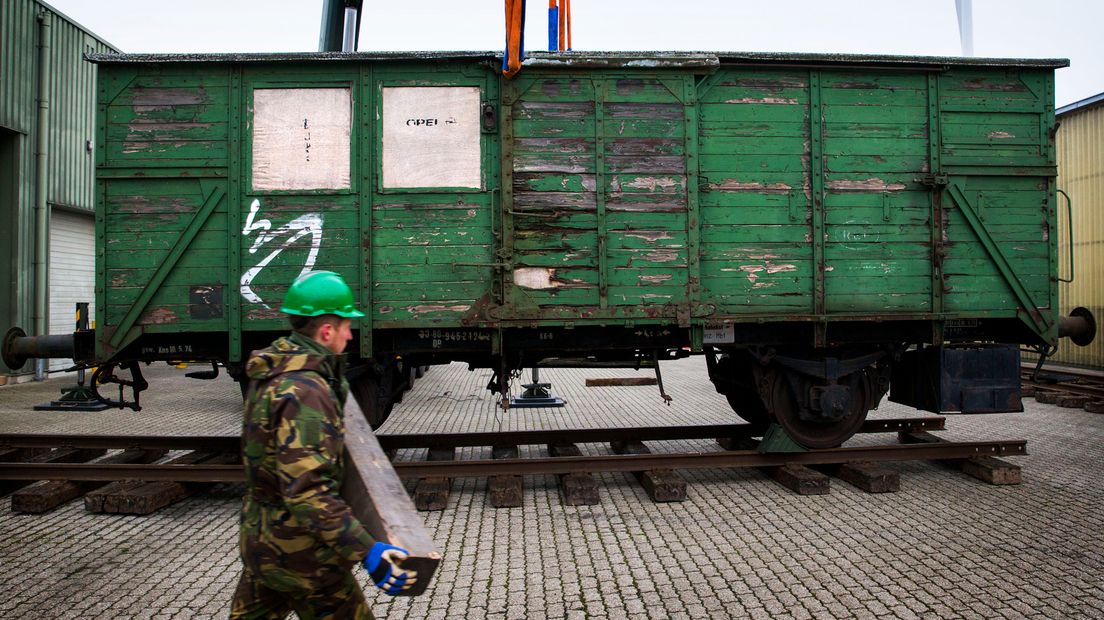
pixel 18 347
pixel 349 38
pixel 329 37
pixel 42 213
pixel 1079 326
pixel 965 10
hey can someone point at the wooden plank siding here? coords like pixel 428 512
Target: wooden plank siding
pixel 755 195
pixel 875 154
pixel 995 129
pixel 599 179
pixel 432 249
pixel 673 195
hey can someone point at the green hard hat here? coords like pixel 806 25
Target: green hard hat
pixel 320 292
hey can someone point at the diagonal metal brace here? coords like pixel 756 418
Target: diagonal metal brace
pixel 1041 325
pixel 167 265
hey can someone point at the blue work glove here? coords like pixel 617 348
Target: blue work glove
pixel 382 564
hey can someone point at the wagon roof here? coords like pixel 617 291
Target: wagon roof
pixel 602 59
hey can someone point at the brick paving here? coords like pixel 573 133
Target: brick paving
pixel 945 546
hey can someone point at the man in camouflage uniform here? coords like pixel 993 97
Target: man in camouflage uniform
pixel 299 540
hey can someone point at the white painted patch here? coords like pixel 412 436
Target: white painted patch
pixel 753 271
pixel 661 256
pixel 431 137
pixel 873 184
pixel 766 100
pixel 1000 135
pixel 733 185
pixel 301 138
pixel 539 278
pixel 426 308
pixel 651 236
pixel 652 183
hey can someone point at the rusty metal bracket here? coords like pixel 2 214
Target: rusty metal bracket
pixel 137 384
pixel 659 381
pixel 934 180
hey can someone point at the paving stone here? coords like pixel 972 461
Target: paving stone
pixel 944 546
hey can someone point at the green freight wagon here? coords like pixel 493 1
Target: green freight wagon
pixel 818 227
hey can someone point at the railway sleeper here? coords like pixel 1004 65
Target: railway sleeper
pixel 1073 402
pixel 578 488
pixel 16 455
pixel 1047 397
pixel 60 455
pixel 866 476
pixel 433 493
pixel 136 497
pixel 661 485
pixel 797 478
pixel 800 479
pixel 985 468
pixel 505 490
pixel 46 495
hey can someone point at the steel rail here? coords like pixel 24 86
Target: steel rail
pixel 538 466
pixel 1075 389
pixel 649 433
pixel 210 443
pixel 226 443
pixel 1087 385
pixel 706 460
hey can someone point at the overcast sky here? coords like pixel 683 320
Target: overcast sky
pixel 1002 28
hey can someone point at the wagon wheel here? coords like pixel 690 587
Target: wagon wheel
pixel 374 395
pixel 736 381
pixel 814 431
pixel 748 405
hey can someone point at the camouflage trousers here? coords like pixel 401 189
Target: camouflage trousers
pixel 339 598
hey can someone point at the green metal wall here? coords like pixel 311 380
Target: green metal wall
pixel 70 177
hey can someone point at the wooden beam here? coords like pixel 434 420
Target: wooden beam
pixel 621 381
pixel 380 501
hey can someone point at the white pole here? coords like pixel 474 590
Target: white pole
pixel 965 10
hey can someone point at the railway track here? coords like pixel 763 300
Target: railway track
pixel 1065 387
pixel 213 459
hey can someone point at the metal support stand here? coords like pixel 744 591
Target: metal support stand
pixel 77 397
pixel 537 394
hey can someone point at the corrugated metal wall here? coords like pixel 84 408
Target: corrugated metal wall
pixel 1080 146
pixel 70 178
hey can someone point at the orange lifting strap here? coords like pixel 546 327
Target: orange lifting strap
pixel 515 37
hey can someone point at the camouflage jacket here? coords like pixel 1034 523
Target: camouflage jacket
pixel 294 521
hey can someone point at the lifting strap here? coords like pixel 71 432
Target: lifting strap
pixel 515 38
pixel 559 25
